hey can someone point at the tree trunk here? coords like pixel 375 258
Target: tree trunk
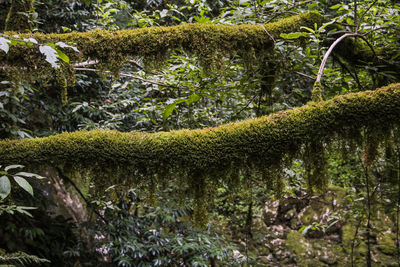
pixel 18 18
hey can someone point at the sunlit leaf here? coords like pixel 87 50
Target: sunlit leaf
pixel 24 184
pixel 4 44
pixel 293 35
pixel 11 167
pixel 50 54
pixel 5 187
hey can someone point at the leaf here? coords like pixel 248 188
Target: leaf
pixel 31 40
pixel 62 56
pixel 50 54
pixel 24 184
pixel 308 29
pixel 192 98
pixel 168 110
pixel 28 174
pixel 5 187
pixel 4 44
pixel 336 6
pixel 293 35
pixel 171 107
pixel 13 167
pixel 64 45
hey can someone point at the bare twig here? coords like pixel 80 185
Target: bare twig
pixel 305 75
pixel 327 54
pixel 368 9
pixel 135 77
pixel 270 36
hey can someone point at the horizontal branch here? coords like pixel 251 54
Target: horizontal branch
pixel 261 141
pixel 154 42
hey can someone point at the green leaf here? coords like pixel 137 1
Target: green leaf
pixel 171 107
pixel 13 167
pixel 192 98
pixel 336 6
pixel 5 187
pixel 293 35
pixel 62 56
pixel 24 184
pixel 168 110
pixel 308 29
pixel 28 174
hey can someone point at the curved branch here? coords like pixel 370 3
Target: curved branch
pixel 328 53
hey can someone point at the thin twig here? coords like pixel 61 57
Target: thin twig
pixel 61 175
pixel 240 111
pixel 270 36
pixel 135 77
pixel 368 9
pixel 305 75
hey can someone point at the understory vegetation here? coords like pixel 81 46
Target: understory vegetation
pixel 199 133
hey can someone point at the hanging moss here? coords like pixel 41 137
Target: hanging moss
pixel 192 155
pixel 316 166
pixel 316 92
pixel 113 48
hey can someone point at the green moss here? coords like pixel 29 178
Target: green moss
pixel 348 231
pixel 17 18
pixel 153 44
pixel 298 245
pixel 205 157
pixel 317 92
pixel 386 243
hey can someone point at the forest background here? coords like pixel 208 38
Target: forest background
pixel 333 202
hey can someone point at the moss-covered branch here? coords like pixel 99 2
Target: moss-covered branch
pixel 261 142
pixel 153 43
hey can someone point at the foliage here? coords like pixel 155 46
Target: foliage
pixel 21 258
pixel 135 234
pixel 209 76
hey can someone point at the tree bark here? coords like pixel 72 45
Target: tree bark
pixel 18 18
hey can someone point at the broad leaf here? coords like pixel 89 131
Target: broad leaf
pixel 13 167
pixel 64 45
pixel 50 54
pixel 5 187
pixel 192 98
pixel 4 44
pixel 28 174
pixel 62 56
pixel 168 110
pixel 24 184
pixel 171 107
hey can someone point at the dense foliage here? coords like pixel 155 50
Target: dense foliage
pixel 182 197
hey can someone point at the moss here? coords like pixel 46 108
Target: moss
pixel 205 157
pixel 17 18
pixel 316 92
pixel 386 243
pixel 206 40
pixel 297 244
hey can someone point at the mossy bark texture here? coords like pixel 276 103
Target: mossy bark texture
pixel 256 143
pixel 205 40
pixel 17 19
